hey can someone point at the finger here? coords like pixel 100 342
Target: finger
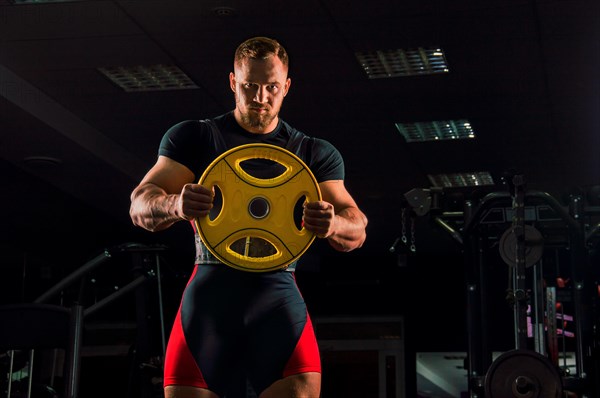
pixel 318 217
pixel 199 189
pixel 318 223
pixel 197 193
pixel 319 205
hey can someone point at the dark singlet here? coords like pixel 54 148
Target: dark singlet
pixel 232 321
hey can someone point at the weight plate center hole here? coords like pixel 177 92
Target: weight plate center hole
pixel 259 208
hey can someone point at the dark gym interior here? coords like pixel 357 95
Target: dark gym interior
pixel 470 132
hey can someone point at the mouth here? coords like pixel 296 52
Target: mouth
pixel 259 110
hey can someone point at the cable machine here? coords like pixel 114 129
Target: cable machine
pixel 539 251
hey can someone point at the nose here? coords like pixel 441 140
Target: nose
pixel 261 94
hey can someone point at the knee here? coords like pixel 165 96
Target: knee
pixel 303 385
pixel 176 391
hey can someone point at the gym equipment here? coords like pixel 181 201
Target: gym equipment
pixel 547 250
pixel 534 246
pixel 523 374
pixel 28 328
pixel 255 229
pixel 31 327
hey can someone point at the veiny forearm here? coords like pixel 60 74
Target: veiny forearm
pixel 350 230
pixel 152 208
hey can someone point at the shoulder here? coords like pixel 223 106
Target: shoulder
pixel 190 132
pixel 325 154
pixel 298 138
pixel 321 156
pixel 323 146
pixel 186 126
pixel 182 139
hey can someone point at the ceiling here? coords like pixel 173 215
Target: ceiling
pixel 73 144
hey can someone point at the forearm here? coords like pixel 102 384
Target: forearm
pixel 350 230
pixel 152 208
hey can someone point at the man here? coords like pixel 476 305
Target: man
pixel 231 319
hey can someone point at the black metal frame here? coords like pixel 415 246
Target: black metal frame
pixel 473 241
pixel 20 329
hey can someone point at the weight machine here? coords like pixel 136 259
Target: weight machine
pixel 26 327
pixel 544 250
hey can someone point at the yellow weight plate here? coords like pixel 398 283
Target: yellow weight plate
pixel 255 229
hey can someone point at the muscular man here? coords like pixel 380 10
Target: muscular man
pixel 229 319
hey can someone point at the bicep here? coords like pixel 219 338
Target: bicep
pixel 334 192
pixel 168 175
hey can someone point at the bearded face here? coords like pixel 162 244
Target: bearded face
pixel 259 86
pixel 257 116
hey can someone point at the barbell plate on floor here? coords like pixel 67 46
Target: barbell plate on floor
pixel 522 374
pixel 257 213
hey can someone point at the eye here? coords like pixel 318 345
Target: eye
pixel 248 85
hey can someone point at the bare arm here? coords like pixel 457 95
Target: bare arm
pixel 336 218
pixel 166 195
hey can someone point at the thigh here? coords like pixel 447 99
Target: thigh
pixel 304 385
pixel 204 344
pixel 188 392
pixel 281 340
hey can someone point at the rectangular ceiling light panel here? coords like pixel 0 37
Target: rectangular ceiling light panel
pixel 394 63
pixel 457 180
pixel 148 78
pixel 460 129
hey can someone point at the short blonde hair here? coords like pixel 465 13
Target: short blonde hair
pixel 260 48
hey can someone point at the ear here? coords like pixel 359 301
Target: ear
pixel 286 87
pixel 232 81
